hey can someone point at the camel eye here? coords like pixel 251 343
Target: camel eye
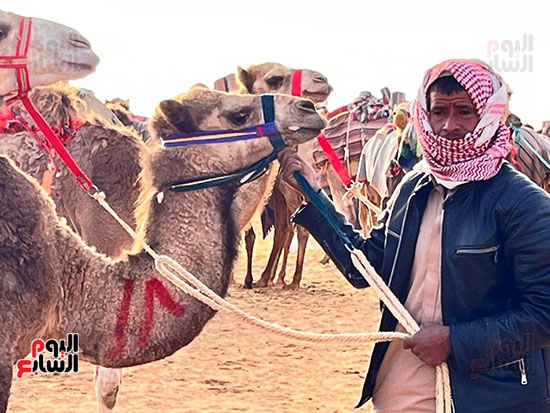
pixel 275 82
pixel 3 33
pixel 239 118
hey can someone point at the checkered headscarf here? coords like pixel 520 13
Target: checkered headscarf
pixel 478 155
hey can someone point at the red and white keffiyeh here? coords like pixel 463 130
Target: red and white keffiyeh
pixel 478 155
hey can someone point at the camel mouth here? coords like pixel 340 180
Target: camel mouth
pixel 308 130
pixel 78 67
pixel 316 96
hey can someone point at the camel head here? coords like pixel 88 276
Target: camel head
pixel 276 78
pixel 204 109
pixel 55 53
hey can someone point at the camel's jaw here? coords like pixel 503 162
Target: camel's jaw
pixel 295 137
pixel 80 69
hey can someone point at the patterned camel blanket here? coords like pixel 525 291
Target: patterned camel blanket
pixel 528 161
pixel 351 126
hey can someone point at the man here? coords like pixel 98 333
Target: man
pixel 465 245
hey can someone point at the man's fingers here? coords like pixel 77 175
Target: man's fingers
pixel 407 343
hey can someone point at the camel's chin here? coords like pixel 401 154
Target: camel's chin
pixel 60 74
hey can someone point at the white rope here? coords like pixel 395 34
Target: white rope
pixel 173 272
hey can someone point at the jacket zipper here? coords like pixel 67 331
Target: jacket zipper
pixel 401 237
pixel 445 198
pixel 476 251
pixel 522 370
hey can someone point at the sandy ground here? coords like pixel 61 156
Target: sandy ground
pixel 235 367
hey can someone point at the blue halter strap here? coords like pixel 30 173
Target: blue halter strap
pixel 245 175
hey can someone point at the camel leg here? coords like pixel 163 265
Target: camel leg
pixel 282 222
pixel 6 372
pixel 107 385
pixel 303 236
pixel 286 250
pixel 249 239
pixel 364 215
pixel 279 239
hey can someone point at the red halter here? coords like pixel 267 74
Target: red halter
pixel 296 83
pixel 19 63
pixel 19 60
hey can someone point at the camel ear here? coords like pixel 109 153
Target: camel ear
pixel 245 78
pixel 178 115
pixel 122 116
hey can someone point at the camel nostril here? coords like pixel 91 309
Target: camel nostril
pixel 76 40
pixel 320 79
pixel 306 105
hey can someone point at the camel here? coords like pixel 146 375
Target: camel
pixel 95 106
pixel 284 201
pixel 121 109
pixel 523 156
pixel 75 289
pixel 349 129
pixel 382 166
pixel 107 153
pixel 71 58
pixel 273 78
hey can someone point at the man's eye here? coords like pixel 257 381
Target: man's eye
pixel 239 118
pixel 275 82
pixel 3 34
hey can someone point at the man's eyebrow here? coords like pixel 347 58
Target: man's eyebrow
pixel 465 105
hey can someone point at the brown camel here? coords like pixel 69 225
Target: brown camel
pixel 349 129
pixel 273 78
pixel 110 157
pixel 121 109
pixel 74 289
pixel 72 58
pixel 526 160
pixel 95 145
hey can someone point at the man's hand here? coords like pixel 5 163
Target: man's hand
pixel 432 344
pixel 290 163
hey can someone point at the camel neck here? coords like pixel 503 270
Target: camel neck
pixel 133 315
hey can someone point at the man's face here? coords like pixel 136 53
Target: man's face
pixel 452 116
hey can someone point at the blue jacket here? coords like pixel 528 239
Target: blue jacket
pixel 495 283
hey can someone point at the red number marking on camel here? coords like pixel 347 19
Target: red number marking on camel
pixel 153 288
